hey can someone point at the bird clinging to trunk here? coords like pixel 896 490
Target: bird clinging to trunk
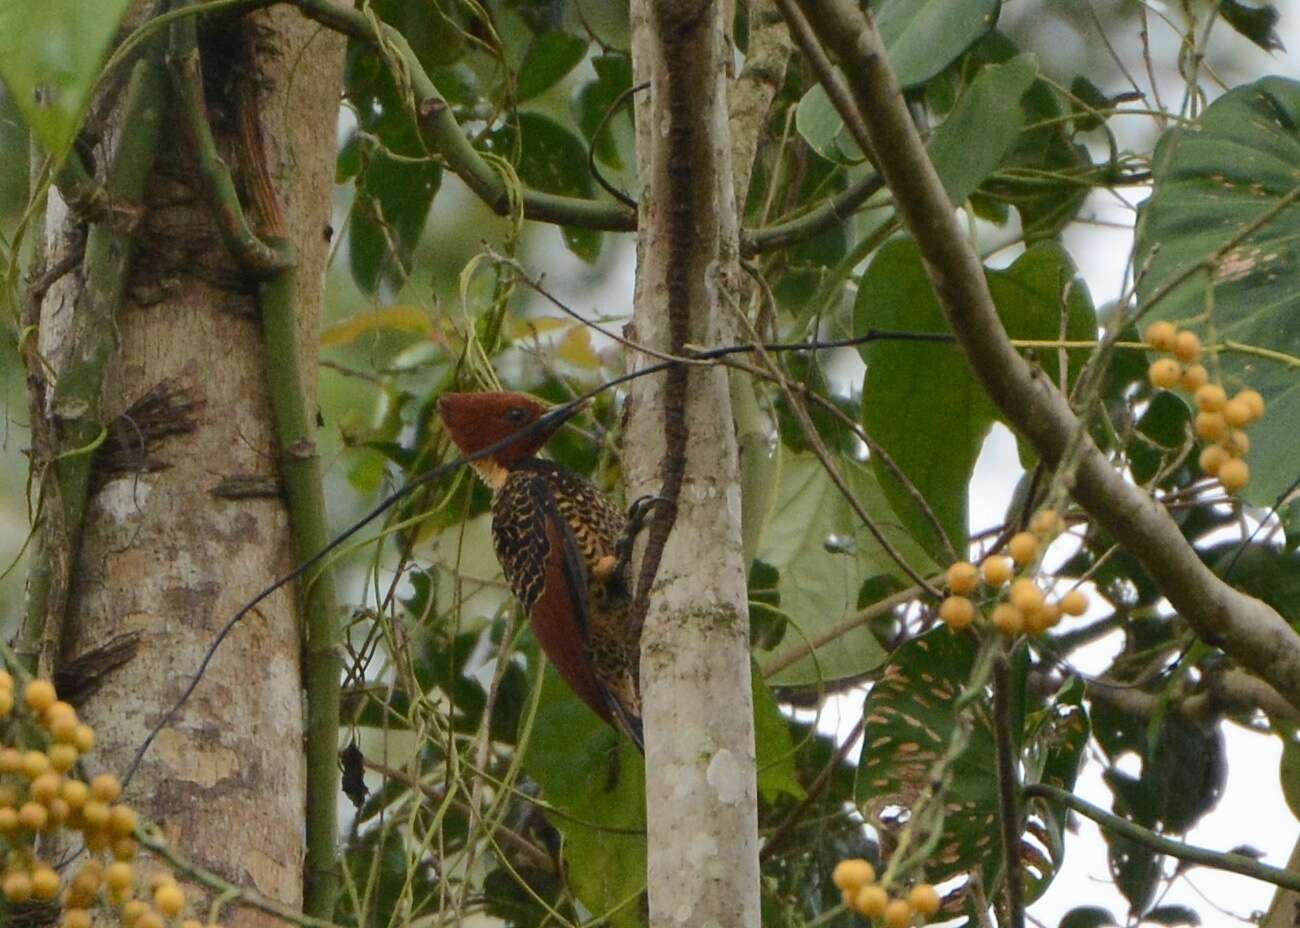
pixel 564 548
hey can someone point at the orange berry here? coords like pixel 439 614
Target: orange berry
pixel 963 578
pixel 76 918
pixel 45 882
pixel 149 920
pixel 1236 444
pixel 1212 458
pixel 898 913
pixel 63 728
pixel 40 695
pixel 17 886
pixel 1211 426
pixel 1210 398
pixel 119 875
pixel 1160 335
pixel 1164 373
pixel 45 787
pixel 1187 346
pixel 106 787
pixel 74 793
pixel 1234 475
pixel 121 821
pixel 1045 522
pixel 96 813
pixel 11 760
pixel 33 816
pixel 871 900
pixel 125 849
pixel 1023 548
pixel 925 899
pixel 87 880
pixel 84 738
pixel 8 820
pixel 191 923
pixel 1038 620
pixel 1237 413
pixel 1253 401
pixel 63 757
pixel 59 811
pixel 957 612
pixel 1025 595
pixel 996 570
pixel 58 709
pixel 1074 603
pixel 1008 619
pixel 170 899
pixel 6 680
pixel 1194 377
pixel 34 764
pixel 132 911
pixel 850 874
pixel 8 794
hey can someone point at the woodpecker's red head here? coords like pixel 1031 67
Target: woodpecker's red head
pixel 479 420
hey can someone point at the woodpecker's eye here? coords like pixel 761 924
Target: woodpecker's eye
pixel 516 415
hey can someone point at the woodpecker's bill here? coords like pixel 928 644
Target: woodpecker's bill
pixel 563 547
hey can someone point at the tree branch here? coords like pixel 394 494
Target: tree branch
pixel 1247 629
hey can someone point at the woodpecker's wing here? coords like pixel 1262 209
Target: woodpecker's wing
pixel 551 581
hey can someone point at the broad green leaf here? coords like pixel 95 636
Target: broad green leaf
pixel 773 745
pixel 388 215
pixel 925 36
pixel 1162 430
pixel 50 55
pixel 550 56
pixel 1213 182
pixel 824 554
pixel 821 127
pixel 613 77
pixel 921 401
pixel 1254 22
pixel 1087 916
pixel 983 126
pixel 412 319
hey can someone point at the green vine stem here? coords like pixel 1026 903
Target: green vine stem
pixel 301 472
pixel 74 406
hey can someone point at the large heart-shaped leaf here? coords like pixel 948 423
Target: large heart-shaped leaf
pixel 1226 193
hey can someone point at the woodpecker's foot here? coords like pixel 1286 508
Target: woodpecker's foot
pixel 638 514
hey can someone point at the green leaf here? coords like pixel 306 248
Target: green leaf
pixel 921 401
pixel 774 747
pixel 1290 516
pixel 392 203
pixel 1212 182
pixel 50 55
pixel 983 126
pixel 925 36
pixel 596 779
pixel 822 128
pixel 550 56
pixel 1172 915
pixel 613 78
pixel 1087 916
pixel 1166 423
pixel 1254 22
pixel 819 583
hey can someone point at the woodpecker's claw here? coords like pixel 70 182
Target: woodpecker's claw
pixel 612 570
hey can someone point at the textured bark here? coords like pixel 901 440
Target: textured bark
pixel 695 666
pixel 162 558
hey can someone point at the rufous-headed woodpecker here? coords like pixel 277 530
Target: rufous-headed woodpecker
pixel 563 546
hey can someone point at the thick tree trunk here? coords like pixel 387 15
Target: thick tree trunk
pixel 172 542
pixel 695 666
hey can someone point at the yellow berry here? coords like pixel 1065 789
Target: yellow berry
pixel 170 899
pixel 8 820
pixel 1211 426
pixel 40 695
pixel 1210 398
pixel 1045 522
pixel 98 839
pixel 1187 347
pixel 1194 377
pixel 58 709
pixel 11 760
pixel 75 793
pixel 34 764
pixel 125 849
pixel 45 882
pixel 1237 413
pixel 1025 595
pixel 957 612
pixel 45 787
pixel 6 680
pixel 59 811
pixel 33 816
pixel 871 900
pixel 17 886
pixel 1212 458
pixel 1038 620
pixel 996 570
pixel 8 794
pixel 898 913
pixel 62 727
pixel 84 738
pixel 6 701
pixel 149 920
pixel 1160 336
pixel 96 813
pixel 850 874
pixel 963 578
pixel 1074 603
pixel 119 875
pixel 1008 619
pixel 1236 444
pixel 1164 373
pixel 106 787
pixel 191 923
pixel 925 899
pixel 1234 475
pixel 132 911
pixel 1023 548
pixel 1254 402
pixel 76 918
pixel 63 757
pixel 121 821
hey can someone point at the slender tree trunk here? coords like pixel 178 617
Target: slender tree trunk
pixel 695 665
pixel 184 521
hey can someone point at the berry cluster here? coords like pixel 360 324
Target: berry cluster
pixel 40 793
pixel 856 880
pixel 1219 420
pixel 1025 609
